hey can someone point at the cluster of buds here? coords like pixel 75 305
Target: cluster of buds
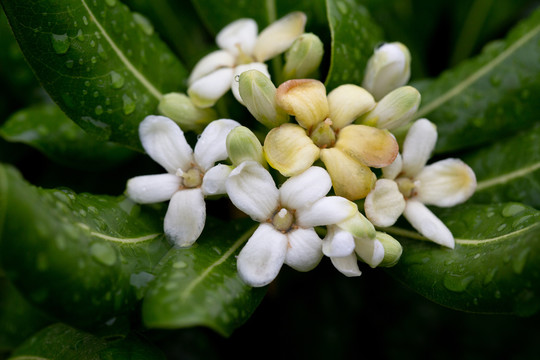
pixel 350 129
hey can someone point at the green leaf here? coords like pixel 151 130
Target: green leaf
pixel 490 96
pixel 493 268
pixel 105 67
pixel 354 37
pixel 508 170
pixel 49 130
pixel 82 258
pixel 200 285
pixel 60 341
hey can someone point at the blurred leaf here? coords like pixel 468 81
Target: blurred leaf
pixel 48 129
pixel 509 170
pixel 200 285
pixel 490 96
pixel 60 341
pixel 354 37
pixel 83 258
pixel 493 269
pixel 105 67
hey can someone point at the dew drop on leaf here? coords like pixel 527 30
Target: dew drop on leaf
pixel 99 110
pixel 101 52
pixel 128 104
pixel 490 275
pixel 117 80
pixel 519 261
pixel 145 24
pixel 457 283
pixel 80 35
pixel 103 253
pixel 512 209
pixel 111 3
pixel 60 43
pixel 69 64
pixel 85 20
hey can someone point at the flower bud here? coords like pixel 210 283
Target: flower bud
pixel 259 95
pixel 303 57
pixel 243 145
pixel 394 110
pixel 387 69
pixel 179 108
pixel 392 249
pixel 358 226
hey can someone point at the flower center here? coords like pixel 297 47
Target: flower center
pixel 283 220
pixel 323 135
pixel 406 187
pixel 242 58
pixel 191 178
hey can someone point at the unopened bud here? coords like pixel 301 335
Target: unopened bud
pixel 392 249
pixel 394 110
pixel 180 109
pixel 387 69
pixel 259 95
pixel 358 226
pixel 243 145
pixel 303 57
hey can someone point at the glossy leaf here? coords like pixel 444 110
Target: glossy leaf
pixel 200 285
pixel 105 67
pixel 494 267
pixel 509 170
pixel 82 258
pixel 60 341
pixel 490 96
pixel 48 129
pixel 354 37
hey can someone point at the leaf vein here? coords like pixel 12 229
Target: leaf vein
pixel 482 185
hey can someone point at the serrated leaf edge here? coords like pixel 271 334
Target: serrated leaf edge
pixel 504 178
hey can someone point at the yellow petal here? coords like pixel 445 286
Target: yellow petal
pixel 368 145
pixel 289 150
pixel 348 102
pixel 350 179
pixel 305 99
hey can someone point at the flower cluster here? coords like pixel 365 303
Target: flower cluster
pixel 313 210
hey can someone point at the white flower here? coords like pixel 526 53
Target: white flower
pixel 287 216
pixel 191 175
pixel 241 50
pixel 408 185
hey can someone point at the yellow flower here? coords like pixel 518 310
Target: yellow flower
pixel 326 131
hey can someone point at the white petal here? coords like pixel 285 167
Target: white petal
pixel 212 144
pixel 427 224
pixel 305 249
pixel 252 190
pixel 205 91
pixel 384 204
pixel 185 217
pixel 347 265
pixel 235 85
pixel 394 169
pixel 214 180
pixel 279 36
pixel 150 189
pixel 419 143
pixel 326 211
pixel 338 242
pixel 241 34
pixel 210 63
pixel 164 142
pixel 446 183
pixel 261 258
pixel 306 188
pixel 371 251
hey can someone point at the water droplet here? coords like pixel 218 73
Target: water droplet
pixel 93 59
pixel 179 265
pixel 143 23
pixel 457 283
pixel 84 92
pixel 489 276
pixel 92 43
pixel 512 209
pixel 69 64
pixel 60 43
pixel 501 227
pixel 85 20
pixel 108 101
pixel 81 61
pixel 99 110
pixel 128 104
pixel 111 3
pixel 117 80
pixel 101 52
pixel 95 94
pixel 342 7
pixel 87 83
pixel 103 253
pixel 520 260
pixel 80 35
pixel 475 301
pixel 497 294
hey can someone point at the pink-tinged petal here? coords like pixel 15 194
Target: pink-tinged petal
pixel 418 145
pixel 235 84
pixel 347 265
pixel 306 188
pixel 210 63
pixel 165 143
pixel 326 211
pixel 370 146
pixel 371 251
pixel 279 36
pixel 350 178
pixel 384 204
pixel 393 170
pixel 214 180
pixel 206 91
pixel 427 224
pixel 289 150
pixel 212 144
pixel 446 183
pixel 151 189
pixel 338 242
pixel 305 99
pixel 253 191
pixel 305 249
pixel 185 217
pixel 347 103
pixel 262 257
pixel 238 35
